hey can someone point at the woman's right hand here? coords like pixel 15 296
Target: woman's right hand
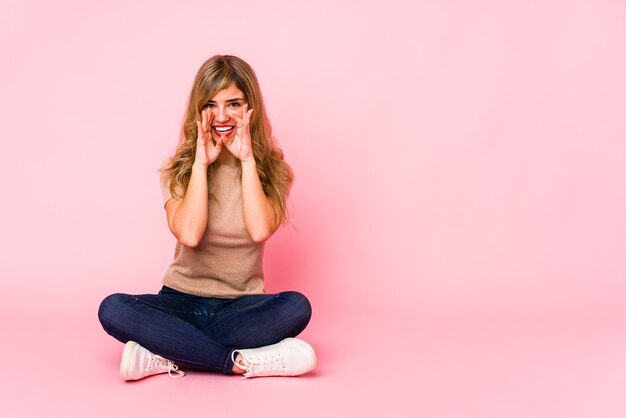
pixel 206 151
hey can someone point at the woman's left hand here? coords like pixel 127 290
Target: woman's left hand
pixel 240 145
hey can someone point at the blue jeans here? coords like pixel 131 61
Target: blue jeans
pixel 201 333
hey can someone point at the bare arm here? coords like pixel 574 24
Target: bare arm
pixel 187 217
pixel 258 212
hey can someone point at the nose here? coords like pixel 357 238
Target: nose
pixel 221 115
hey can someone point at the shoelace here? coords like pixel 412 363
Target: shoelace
pixel 259 365
pixel 158 361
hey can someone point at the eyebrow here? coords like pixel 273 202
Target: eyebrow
pixel 228 101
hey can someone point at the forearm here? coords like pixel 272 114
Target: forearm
pixel 191 216
pixel 258 212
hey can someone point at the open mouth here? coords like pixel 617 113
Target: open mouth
pixel 224 130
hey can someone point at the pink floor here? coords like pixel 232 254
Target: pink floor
pixel 375 365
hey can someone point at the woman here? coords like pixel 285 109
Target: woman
pixel 225 191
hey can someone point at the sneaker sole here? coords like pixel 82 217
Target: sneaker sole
pixel 127 355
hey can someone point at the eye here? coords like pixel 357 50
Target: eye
pixel 234 105
pixel 209 105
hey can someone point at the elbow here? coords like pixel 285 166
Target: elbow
pixel 190 244
pixel 190 241
pixel 260 235
pixel 189 237
pixel 261 230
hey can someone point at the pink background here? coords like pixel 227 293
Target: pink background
pixel 458 208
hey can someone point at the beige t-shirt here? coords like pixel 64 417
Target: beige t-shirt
pixel 227 263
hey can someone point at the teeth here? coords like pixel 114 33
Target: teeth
pixel 223 129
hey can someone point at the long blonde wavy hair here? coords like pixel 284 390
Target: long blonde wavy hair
pixel 217 73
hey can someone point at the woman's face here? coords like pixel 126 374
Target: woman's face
pixel 226 102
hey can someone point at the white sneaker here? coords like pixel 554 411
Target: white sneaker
pixel 137 363
pixel 290 357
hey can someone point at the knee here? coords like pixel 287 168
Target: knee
pixel 300 305
pixel 110 309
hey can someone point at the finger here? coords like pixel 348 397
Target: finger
pixel 230 141
pixel 200 139
pixel 235 116
pixel 211 147
pixel 224 141
pixel 244 113
pixel 248 116
pixel 218 143
pixel 239 118
pixel 209 119
pixel 204 118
